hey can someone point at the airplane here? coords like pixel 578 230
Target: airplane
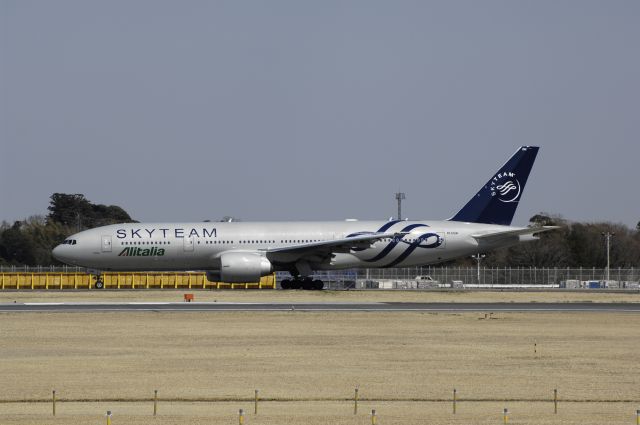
pixel 246 251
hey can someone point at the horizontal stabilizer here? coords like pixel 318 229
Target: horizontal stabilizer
pixel 496 236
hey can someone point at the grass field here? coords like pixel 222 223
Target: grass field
pixel 316 296
pixel 322 413
pixel 308 364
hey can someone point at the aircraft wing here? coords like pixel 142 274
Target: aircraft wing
pixel 319 250
pixel 496 236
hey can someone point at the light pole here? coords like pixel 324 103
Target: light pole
pixel 608 236
pixel 478 257
pixel 399 197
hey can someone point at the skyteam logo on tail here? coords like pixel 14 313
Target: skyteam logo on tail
pixel 506 187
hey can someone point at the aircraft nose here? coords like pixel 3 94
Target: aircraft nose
pixel 58 253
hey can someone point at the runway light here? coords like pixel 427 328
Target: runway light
pixel 455 399
pixel 255 410
pixel 155 402
pixel 355 402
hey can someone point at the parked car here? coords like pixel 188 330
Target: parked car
pixel 426 281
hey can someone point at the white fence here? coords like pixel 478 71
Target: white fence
pixel 490 276
pixel 500 276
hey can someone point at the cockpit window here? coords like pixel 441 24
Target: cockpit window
pixel 69 242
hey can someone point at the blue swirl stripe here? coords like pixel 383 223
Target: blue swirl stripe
pixel 388 225
pixel 414 245
pixel 383 229
pixel 394 242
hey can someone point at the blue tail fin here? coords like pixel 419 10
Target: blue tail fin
pixel 496 201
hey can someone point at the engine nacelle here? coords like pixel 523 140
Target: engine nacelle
pixel 241 267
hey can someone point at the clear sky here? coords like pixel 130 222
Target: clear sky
pixel 300 110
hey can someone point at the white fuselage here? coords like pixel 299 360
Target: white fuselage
pixel 198 246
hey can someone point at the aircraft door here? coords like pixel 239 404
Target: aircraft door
pixel 188 244
pixel 106 243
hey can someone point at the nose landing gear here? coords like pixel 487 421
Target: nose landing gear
pixel 99 283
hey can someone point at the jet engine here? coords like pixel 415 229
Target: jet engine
pixel 241 267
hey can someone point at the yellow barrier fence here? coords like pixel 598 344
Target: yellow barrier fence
pixel 151 280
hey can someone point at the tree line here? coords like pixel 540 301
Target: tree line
pixel 29 242
pixel 574 244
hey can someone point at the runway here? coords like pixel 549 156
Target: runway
pixel 320 307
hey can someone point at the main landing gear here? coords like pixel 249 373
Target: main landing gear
pixel 306 283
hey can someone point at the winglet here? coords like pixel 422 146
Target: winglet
pixel 496 201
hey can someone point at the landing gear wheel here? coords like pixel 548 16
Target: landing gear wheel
pixel 307 284
pixel 317 285
pixel 296 284
pixel 285 284
pixel 99 284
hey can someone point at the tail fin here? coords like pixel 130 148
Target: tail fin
pixel 496 201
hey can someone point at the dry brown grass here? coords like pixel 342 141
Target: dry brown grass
pixel 266 295
pixel 320 357
pixel 321 413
